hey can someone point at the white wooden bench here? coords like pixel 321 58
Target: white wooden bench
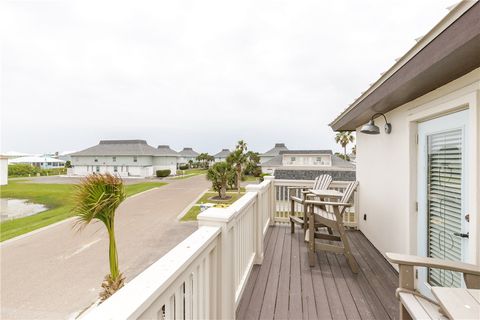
pixel 412 304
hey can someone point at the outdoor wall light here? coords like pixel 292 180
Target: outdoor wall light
pixel 371 128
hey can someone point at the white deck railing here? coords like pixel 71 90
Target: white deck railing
pixel 204 276
pixel 283 204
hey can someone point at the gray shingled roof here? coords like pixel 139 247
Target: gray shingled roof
pixel 306 152
pixel 222 154
pixel 118 148
pixel 164 150
pixel 275 151
pixel 188 152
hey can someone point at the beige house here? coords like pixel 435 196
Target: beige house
pixel 420 183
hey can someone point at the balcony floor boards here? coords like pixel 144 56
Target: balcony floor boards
pixel 285 287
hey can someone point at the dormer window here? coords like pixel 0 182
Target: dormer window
pixel 135 159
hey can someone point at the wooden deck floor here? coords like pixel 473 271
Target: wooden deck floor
pixel 285 287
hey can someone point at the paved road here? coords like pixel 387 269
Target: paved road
pixel 56 273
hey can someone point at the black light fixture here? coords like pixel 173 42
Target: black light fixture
pixel 371 128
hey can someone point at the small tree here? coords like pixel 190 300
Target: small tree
pixel 190 163
pixel 204 159
pixel 96 198
pixel 251 168
pixel 68 164
pixel 344 138
pixel 219 174
pixel 237 159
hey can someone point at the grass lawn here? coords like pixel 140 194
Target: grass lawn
pixel 250 179
pixel 57 197
pixel 195 210
pixel 184 174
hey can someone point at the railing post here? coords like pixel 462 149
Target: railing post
pixel 225 264
pixel 272 203
pixel 258 218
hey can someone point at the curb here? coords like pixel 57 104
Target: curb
pixel 187 208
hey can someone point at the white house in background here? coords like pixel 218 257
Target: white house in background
pixel 275 151
pixel 3 170
pixel 126 158
pixel 420 183
pixel 307 164
pixel 42 162
pixel 186 155
pixel 222 155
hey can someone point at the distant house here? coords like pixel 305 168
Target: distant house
pixel 275 151
pixel 126 158
pixel 222 155
pixel 186 155
pixel 3 170
pixel 42 162
pixel 308 164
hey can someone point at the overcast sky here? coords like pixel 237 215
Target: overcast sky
pixel 194 73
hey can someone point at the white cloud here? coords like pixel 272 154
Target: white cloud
pixel 196 73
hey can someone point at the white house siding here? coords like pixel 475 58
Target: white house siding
pixel 386 168
pixel 164 163
pixel 3 171
pixel 125 165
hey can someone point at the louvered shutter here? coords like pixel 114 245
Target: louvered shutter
pixel 444 203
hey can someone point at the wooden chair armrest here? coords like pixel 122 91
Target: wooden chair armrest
pixel 411 260
pixel 328 203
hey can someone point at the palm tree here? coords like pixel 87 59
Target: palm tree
pixel 238 159
pixel 96 198
pixel 344 138
pixel 219 174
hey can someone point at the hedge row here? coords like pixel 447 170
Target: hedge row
pixel 26 170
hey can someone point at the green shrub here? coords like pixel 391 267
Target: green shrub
pixel 264 175
pixel 26 170
pixel 163 173
pixel 22 170
pixel 183 167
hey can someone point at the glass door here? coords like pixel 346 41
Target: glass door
pixel 442 221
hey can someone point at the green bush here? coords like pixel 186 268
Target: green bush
pixel 26 170
pixel 183 167
pixel 264 175
pixel 163 173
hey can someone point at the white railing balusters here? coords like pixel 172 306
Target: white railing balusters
pixel 282 204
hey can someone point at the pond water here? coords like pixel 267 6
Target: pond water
pixel 17 208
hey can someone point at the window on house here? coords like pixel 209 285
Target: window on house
pixel 292 159
pixel 135 159
pixel 115 169
pixel 97 168
pixel 96 160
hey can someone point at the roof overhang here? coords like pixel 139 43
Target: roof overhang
pixel 450 50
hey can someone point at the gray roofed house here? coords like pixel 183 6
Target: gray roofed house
pixel 165 150
pixel 125 158
pixel 308 164
pixel 118 148
pixel 222 155
pixel 275 151
pixel 188 152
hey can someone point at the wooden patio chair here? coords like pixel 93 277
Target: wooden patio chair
pixel 330 214
pixel 414 305
pixel 321 182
